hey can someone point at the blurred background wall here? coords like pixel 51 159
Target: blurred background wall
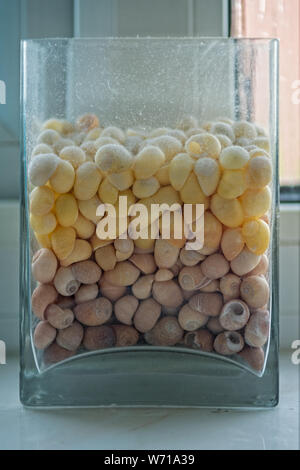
pixel 21 19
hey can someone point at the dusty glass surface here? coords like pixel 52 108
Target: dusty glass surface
pixel 147 83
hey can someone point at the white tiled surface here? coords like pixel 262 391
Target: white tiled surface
pixel 126 429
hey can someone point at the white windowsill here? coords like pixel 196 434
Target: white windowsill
pixel 161 428
pixel 289 273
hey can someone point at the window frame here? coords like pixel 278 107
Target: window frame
pixel 288 193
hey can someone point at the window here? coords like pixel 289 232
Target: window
pixel 281 19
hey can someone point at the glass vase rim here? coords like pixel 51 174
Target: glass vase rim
pixel 153 39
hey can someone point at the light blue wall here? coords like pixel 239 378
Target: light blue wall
pixel 47 18
pixel 9 112
pixel 151 17
pixel 22 19
pixel 9 64
pixel 65 18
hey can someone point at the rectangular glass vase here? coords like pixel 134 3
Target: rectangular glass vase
pixel 147 83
